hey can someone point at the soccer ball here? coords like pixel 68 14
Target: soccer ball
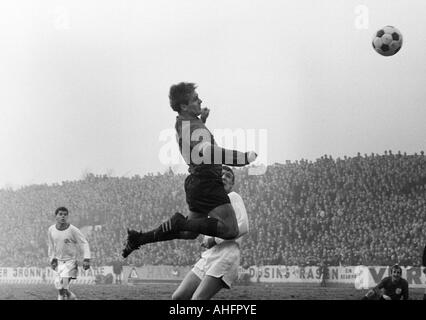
pixel 387 41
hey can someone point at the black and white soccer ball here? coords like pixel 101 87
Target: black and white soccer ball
pixel 387 41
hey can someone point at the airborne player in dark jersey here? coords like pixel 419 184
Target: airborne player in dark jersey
pixel 394 287
pixel 211 212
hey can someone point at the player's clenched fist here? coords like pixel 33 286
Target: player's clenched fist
pixel 204 114
pixel 208 242
pixel 54 263
pixel 86 264
pixel 251 156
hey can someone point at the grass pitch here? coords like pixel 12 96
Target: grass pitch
pixel 163 291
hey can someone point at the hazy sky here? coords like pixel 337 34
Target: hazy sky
pixel 84 84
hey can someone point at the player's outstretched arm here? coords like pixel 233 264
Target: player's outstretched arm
pixel 51 251
pixel 218 155
pixel 83 243
pixel 375 293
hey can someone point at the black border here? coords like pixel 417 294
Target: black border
pixel 160 309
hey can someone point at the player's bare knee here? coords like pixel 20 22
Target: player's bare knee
pixel 230 233
pixel 179 295
pixel 176 296
pixel 197 297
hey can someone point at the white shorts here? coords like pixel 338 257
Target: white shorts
pixel 220 261
pixel 67 269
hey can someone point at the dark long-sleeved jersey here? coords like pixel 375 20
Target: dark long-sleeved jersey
pixel 395 290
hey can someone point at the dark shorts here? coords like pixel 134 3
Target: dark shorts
pixel 204 194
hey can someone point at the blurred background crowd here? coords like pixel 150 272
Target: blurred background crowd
pixel 367 209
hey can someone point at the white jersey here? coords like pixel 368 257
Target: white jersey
pixel 67 244
pixel 222 260
pixel 241 215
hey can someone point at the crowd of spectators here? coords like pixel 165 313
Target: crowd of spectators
pixel 367 209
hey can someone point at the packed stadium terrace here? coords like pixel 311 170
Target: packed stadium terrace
pixel 367 209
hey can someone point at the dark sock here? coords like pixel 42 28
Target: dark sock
pixel 424 296
pixel 206 226
pixel 157 235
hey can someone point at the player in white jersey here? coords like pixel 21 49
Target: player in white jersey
pixel 218 266
pixel 65 244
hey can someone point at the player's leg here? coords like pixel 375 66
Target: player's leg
pixel 70 272
pixel 211 214
pixel 220 268
pixel 220 222
pixel 227 227
pixel 71 295
pixel 209 198
pixel 216 216
pixel 58 286
pixel 136 239
pixel 197 223
pixel 187 287
pixel 61 294
pixel 65 287
pixel 58 281
pixel 160 234
pixel 208 287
